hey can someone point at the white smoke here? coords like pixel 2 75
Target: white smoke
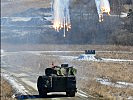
pixel 61 15
pixel 103 6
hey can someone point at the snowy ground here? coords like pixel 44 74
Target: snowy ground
pixel 90 57
pixel 25 78
pixel 87 57
pixel 119 84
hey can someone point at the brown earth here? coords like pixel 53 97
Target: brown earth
pixel 6 90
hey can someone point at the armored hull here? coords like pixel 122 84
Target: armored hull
pixel 57 79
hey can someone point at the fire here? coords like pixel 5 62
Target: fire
pixel 103 6
pixel 61 15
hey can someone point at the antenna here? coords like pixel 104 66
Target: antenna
pixel 64 28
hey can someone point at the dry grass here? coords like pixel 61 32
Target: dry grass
pixel 6 90
pixel 65 47
pixel 87 71
pixel 115 55
pixel 114 71
pixel 103 91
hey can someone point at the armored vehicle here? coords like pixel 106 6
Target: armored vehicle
pixel 58 79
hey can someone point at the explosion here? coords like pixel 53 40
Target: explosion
pixel 103 6
pixel 61 15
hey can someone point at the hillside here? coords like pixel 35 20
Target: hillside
pixel 84 19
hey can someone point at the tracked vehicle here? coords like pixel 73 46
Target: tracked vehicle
pixel 58 79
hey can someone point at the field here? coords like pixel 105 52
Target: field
pixel 111 79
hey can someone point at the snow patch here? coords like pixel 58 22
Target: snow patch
pixel 89 57
pixel 92 57
pixel 19 88
pixel 130 98
pixel 118 84
pixel 82 92
pixel 68 57
pixel 126 84
pixel 49 18
pixel 123 15
pixel 33 85
pixel 15 19
pixel 2 51
pixel 83 95
pixel 115 60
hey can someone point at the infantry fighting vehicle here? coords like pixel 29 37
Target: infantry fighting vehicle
pixel 58 79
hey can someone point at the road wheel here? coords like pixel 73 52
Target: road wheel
pixel 41 87
pixel 70 93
